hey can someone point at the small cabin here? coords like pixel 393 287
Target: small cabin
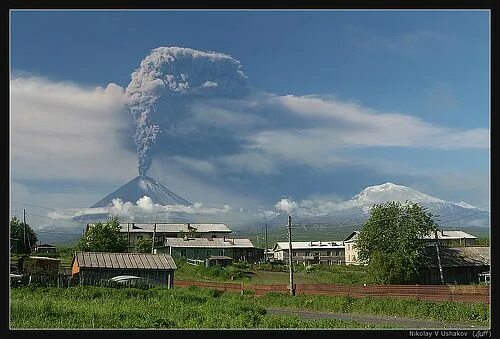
pixel 41 265
pixel 93 266
pixel 45 248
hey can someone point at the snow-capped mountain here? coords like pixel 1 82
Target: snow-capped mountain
pixel 392 192
pixel 357 209
pixel 446 211
pixel 142 186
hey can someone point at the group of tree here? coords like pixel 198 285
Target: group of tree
pixel 22 237
pixel 390 241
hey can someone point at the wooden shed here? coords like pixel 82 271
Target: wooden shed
pixel 460 265
pixel 93 266
pixel 40 265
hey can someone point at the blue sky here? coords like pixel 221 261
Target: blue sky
pixel 431 66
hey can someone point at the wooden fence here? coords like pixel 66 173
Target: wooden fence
pixel 463 293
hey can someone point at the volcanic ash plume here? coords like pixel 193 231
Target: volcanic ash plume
pixel 173 76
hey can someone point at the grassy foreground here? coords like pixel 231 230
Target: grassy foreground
pixel 100 307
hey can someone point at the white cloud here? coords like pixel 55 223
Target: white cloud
pixel 353 125
pixel 286 205
pixel 142 208
pixel 64 131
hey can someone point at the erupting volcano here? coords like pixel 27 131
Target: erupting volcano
pixel 139 187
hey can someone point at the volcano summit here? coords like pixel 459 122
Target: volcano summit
pixel 139 187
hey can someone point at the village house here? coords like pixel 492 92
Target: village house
pixel 445 238
pixel 311 252
pixel 138 231
pixel 451 238
pixel 45 248
pixel 92 266
pixel 351 253
pixel 210 248
pixel 459 265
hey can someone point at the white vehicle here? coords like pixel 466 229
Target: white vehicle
pixel 132 280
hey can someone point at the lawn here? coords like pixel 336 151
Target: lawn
pixel 273 274
pixel 101 307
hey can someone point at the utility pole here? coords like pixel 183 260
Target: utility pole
pixel 265 252
pixel 290 262
pixel 24 228
pixel 128 235
pixel 439 258
pixel 153 241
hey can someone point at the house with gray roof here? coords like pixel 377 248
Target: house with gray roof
pixel 459 265
pixel 94 266
pixel 137 231
pixel 451 237
pixel 205 248
pixel 311 252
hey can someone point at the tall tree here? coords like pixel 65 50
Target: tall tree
pixel 103 237
pixel 18 240
pixel 391 241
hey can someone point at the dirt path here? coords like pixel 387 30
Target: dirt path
pixel 373 319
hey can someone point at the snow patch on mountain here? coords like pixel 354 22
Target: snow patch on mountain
pixel 392 192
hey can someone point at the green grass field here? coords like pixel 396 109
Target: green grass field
pixel 100 307
pixel 277 274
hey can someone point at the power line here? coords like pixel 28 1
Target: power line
pixel 20 203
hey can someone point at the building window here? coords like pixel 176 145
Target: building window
pixel 337 253
pixel 183 253
pixel 307 253
pixel 209 252
pixel 221 252
pixel 294 254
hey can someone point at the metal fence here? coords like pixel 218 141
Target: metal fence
pixel 462 293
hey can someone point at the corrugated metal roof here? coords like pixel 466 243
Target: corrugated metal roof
pixel 442 235
pixel 457 256
pixel 209 243
pixel 125 260
pixel 352 237
pixel 310 245
pixel 451 235
pixel 173 227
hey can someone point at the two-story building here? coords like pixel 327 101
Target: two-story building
pixel 445 238
pixel 311 252
pixel 351 253
pixel 137 231
pixel 451 238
